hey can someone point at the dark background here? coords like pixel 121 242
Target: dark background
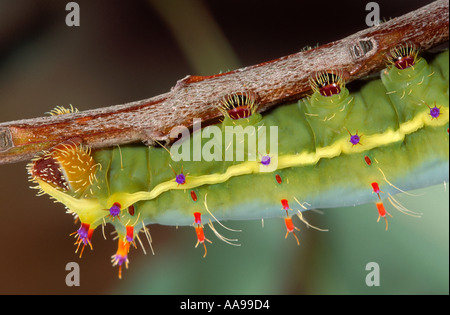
pixel 130 50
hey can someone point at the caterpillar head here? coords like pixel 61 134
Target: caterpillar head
pixel 64 172
pixel 68 167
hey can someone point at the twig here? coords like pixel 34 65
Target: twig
pixel 274 82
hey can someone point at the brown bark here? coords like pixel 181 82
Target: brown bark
pixel 274 82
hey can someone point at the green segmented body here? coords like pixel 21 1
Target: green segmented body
pixel 315 160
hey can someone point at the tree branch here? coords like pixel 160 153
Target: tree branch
pixel 274 82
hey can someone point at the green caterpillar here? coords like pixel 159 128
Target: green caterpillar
pixel 335 148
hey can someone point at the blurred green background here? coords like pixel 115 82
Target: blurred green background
pixel 126 51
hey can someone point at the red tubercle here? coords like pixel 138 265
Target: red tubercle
pixel 90 233
pixel 200 234
pixel 131 210
pixel 376 189
pixel 123 248
pixel 239 112
pixel 83 236
pixel 285 204
pixel 199 231
pixel 368 160
pixel 239 105
pixel 193 195
pixel 404 56
pixel 405 62
pixel 197 218
pixel 289 224
pixel 278 179
pixel 327 83
pixel 130 234
pixel 121 256
pixel 330 89
pixel 381 209
pixel 201 238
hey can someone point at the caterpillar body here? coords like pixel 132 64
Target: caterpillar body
pixel 335 148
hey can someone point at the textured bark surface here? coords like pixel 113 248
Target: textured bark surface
pixel 274 82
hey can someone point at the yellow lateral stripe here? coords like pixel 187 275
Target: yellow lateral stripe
pixel 88 207
pixel 305 158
